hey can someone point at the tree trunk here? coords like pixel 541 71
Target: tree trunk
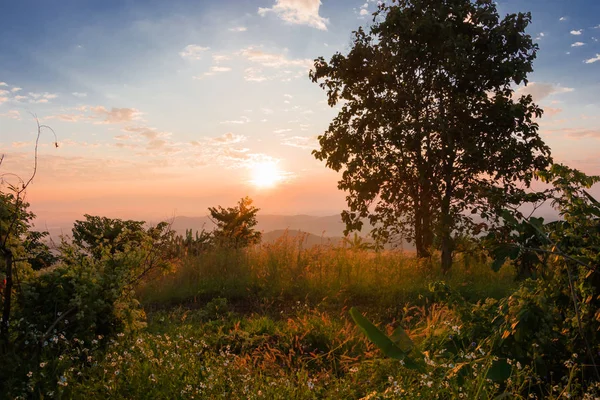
pixel 8 259
pixel 447 223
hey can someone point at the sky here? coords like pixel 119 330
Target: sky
pixel 165 108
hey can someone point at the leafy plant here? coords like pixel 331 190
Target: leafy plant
pixel 235 225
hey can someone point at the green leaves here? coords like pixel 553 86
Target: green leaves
pixel 398 346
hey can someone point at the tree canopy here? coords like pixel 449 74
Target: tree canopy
pixel 235 225
pixel 429 128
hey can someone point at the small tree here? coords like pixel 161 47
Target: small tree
pixel 97 233
pixel 15 229
pixel 235 225
pixel 429 128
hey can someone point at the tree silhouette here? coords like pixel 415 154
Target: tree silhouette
pixel 235 225
pixel 429 129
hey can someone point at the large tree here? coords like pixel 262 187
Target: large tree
pixel 429 128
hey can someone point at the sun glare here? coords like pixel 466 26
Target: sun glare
pixel 265 174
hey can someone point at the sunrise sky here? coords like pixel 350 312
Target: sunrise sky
pixel 164 108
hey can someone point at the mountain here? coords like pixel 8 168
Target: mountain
pixel 320 226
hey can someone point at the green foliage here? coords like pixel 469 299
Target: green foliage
pixel 235 225
pixel 95 234
pixel 429 127
pixel 398 346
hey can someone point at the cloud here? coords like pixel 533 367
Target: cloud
pixel 272 60
pixel 577 44
pixel 13 114
pixel 540 91
pixel 581 133
pixel 301 142
pixel 44 97
pixel 3 100
pixel 220 57
pixel 562 19
pixel 280 131
pixel 593 60
pixel 238 29
pixel 3 84
pixel 243 120
pixel 115 115
pixel 16 89
pixel 220 69
pixel 254 75
pixel 551 112
pixel 298 12
pixel 576 32
pixel 364 12
pixel 213 71
pixel 227 139
pixel 193 51
pixel 78 94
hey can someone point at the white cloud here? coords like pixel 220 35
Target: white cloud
pixel 364 12
pixel 220 57
pixel 193 51
pixel 273 60
pixel 577 44
pixel 254 75
pixel 3 84
pixel 280 131
pixel 238 29
pixel 220 69
pixel 593 60
pixel 298 12
pixel 562 19
pixel 243 120
pixel 289 96
pixel 540 91
pixel 16 89
pixel 576 32
pixel 3 100
pixel 44 97
pixel 78 94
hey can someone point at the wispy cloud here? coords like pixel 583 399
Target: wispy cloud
pixel 193 51
pixel 593 59
pixel 540 91
pixel 576 32
pixel 238 29
pixel 13 114
pixel 80 95
pixel 44 97
pixel 577 44
pixel 115 115
pixel 272 60
pixel 243 120
pixel 298 12
pixel 302 142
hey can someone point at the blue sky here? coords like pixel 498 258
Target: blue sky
pixel 170 106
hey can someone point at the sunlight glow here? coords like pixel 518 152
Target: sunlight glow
pixel 265 174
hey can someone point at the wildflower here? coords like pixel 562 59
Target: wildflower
pixel 29 374
pixel 310 385
pixel 518 365
pixel 43 364
pixel 62 381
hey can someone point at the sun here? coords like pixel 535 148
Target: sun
pixel 265 174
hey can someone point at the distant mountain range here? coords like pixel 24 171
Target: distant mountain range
pixel 320 226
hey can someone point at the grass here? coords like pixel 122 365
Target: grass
pixel 285 272
pixel 271 322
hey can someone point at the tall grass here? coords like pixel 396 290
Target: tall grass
pixel 289 271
